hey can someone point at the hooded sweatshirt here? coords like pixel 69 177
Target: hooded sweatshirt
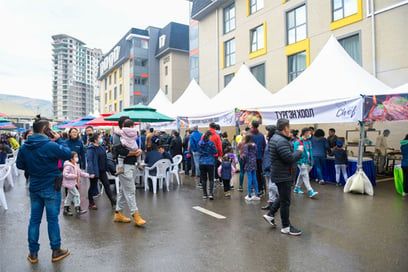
pixel 207 152
pixel 259 140
pixel 404 151
pixel 71 175
pixel 128 137
pixel 39 158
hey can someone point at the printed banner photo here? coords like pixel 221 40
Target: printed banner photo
pixel 342 111
pixel 386 107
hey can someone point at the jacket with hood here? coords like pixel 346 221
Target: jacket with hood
pixel 320 146
pixel 207 153
pixel 215 138
pixel 308 151
pixel 176 146
pixel 404 151
pixel 194 140
pixel 282 157
pixel 77 146
pixel 259 140
pixel 39 157
pixel 71 175
pixel 266 163
pixel 250 151
pixel 96 160
pixel 128 137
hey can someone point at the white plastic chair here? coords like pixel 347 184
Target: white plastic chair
pixel 5 171
pixel 138 174
pixel 12 162
pixel 174 170
pixel 161 167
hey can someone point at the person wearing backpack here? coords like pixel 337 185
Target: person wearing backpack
pixel 226 172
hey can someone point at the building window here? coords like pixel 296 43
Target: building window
pixel 110 107
pixel 229 53
pixel 115 76
pixel 115 107
pixel 120 71
pixel 352 46
pixel 121 105
pixel 296 65
pixel 166 89
pixel 106 98
pixel 115 93
pixel 255 5
pixel 343 8
pixel 257 38
pixel 166 70
pixel 229 18
pixel 194 37
pixel 259 73
pixel 110 95
pixel 228 78
pixel 162 41
pixel 296 24
pixel 194 67
pixel 141 43
pixel 110 79
pixel 140 80
pixel 141 62
pixel 120 90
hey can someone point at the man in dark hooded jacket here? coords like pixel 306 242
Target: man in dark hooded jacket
pixel 39 158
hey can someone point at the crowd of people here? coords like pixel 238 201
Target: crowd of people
pixel 277 163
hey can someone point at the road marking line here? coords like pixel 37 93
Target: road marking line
pixel 208 212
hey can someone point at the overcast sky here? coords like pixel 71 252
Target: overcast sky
pixel 27 27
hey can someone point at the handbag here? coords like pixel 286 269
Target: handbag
pixel 58 183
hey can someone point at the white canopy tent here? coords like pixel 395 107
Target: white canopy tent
pixel 162 104
pixel 193 102
pixel 332 76
pixel 243 92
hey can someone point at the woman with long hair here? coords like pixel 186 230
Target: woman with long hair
pixel 207 152
pixel 97 165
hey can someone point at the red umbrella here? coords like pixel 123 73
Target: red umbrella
pixel 3 115
pixel 101 122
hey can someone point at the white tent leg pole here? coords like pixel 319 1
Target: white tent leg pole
pixel 361 145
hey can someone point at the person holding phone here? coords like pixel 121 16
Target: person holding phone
pixel 39 157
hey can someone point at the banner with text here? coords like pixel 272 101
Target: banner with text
pixel 224 119
pixel 340 111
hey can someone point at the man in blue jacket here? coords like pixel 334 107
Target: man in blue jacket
pixel 195 138
pixel 39 158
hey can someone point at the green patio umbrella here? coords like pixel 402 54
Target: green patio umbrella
pixel 4 120
pixel 141 113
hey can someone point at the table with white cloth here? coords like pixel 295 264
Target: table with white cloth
pixel 329 172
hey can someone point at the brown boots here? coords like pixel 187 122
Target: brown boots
pixel 138 220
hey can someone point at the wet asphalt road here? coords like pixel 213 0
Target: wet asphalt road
pixel 341 232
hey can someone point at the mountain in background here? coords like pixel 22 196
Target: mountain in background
pixel 25 106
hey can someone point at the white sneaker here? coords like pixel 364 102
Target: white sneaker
pixel 255 198
pixel 248 198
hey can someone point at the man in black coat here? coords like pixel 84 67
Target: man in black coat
pixel 282 159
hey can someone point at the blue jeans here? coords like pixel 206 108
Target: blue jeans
pixel 196 159
pixel 319 163
pixel 252 180
pixel 51 200
pixel 241 171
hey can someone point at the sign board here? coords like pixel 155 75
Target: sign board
pixel 386 107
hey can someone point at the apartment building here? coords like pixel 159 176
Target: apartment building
pixel 278 39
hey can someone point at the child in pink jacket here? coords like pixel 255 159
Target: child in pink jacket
pixel 71 175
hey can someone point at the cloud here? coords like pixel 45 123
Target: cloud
pixel 27 27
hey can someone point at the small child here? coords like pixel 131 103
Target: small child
pixel 226 171
pixel 128 136
pixel 234 160
pixel 340 162
pixel 71 174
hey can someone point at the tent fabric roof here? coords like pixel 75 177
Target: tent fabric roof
pixel 243 92
pixel 193 102
pixel 162 103
pixel 333 75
